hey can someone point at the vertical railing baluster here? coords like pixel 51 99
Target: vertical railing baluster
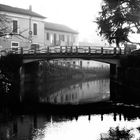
pixel 102 50
pixel 76 49
pixel 48 49
pixel 120 51
pixel 115 50
pixel 66 50
pixel 60 49
pixel 71 49
pixel 89 50
pixel 21 50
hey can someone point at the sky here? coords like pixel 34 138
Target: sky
pixel 77 14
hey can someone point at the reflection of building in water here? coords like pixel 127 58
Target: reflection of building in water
pixel 82 92
pixel 94 90
pixel 67 95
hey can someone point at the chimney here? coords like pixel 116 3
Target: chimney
pixel 30 7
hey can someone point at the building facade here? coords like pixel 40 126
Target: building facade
pixel 21 27
pixel 60 35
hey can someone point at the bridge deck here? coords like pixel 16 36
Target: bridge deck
pixel 86 53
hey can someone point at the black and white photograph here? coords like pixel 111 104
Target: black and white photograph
pixel 69 69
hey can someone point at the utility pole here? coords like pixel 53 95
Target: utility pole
pixel 30 27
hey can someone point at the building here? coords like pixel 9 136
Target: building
pixel 60 35
pixel 21 27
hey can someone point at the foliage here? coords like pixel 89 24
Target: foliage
pixel 117 134
pixel 117 19
pixel 6 29
pixel 4 25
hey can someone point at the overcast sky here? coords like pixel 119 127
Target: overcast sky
pixel 78 14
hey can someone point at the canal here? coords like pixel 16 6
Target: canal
pixel 78 110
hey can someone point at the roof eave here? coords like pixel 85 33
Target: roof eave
pixel 61 30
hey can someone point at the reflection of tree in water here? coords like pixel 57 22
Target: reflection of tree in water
pixel 117 134
pixel 5 83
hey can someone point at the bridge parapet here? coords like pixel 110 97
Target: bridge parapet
pixel 65 49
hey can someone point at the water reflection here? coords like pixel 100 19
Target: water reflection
pixel 91 127
pixel 67 92
pixel 90 91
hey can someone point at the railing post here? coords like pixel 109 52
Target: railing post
pixel 102 50
pixel 71 49
pixel 120 51
pixel 115 50
pixel 60 49
pixel 89 50
pixel 48 50
pixel 66 50
pixel 76 49
pixel 35 51
pixel 21 50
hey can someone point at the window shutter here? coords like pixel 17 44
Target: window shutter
pixel 35 29
pixel 15 26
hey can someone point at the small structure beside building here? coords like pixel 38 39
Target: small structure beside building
pixel 60 35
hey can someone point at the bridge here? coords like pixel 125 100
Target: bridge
pixel 123 67
pixel 107 55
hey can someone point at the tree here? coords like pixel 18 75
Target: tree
pixel 4 25
pixel 117 19
pixel 6 29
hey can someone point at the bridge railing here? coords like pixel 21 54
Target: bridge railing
pixel 65 50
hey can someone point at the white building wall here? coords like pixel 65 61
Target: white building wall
pixel 23 29
pixel 61 43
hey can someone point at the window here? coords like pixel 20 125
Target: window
pixel 48 36
pixel 61 37
pixel 74 39
pixel 54 39
pixel 15 26
pixel 34 29
pixel 68 38
pixel 14 45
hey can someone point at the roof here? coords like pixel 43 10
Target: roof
pixel 59 27
pixel 6 8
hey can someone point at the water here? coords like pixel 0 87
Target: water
pixel 100 122
pixel 83 92
pixel 68 92
pixel 44 127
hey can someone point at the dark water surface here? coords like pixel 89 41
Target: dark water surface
pixel 122 121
